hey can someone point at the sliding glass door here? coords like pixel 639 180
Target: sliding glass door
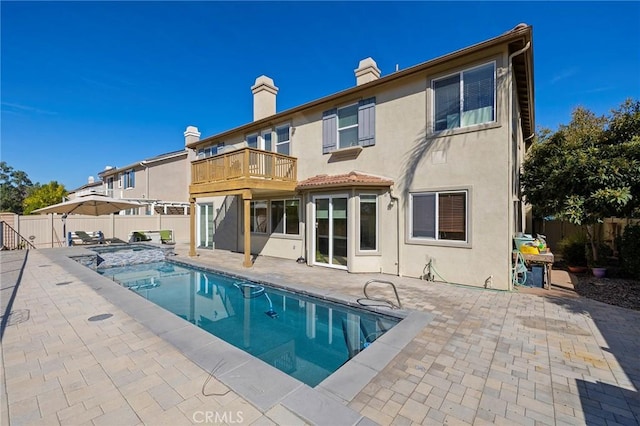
pixel 330 231
pixel 205 225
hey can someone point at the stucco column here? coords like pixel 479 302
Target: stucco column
pixel 192 227
pixel 247 231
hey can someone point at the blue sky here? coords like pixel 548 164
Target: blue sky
pixel 90 84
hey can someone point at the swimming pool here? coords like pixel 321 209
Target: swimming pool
pixel 307 338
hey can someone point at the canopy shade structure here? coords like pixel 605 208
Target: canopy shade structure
pixel 94 205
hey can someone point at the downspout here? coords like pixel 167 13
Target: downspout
pixel 396 201
pixel 146 178
pixel 509 150
pixel 523 219
pixel 304 209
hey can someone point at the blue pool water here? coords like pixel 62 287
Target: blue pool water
pixel 305 337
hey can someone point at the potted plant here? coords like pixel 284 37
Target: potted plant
pixel 599 266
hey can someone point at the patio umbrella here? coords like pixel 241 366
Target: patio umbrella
pixel 93 205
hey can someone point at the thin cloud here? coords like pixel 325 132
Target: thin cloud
pixel 19 108
pixel 598 89
pixel 564 74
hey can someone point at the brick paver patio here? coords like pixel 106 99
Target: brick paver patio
pixel 487 357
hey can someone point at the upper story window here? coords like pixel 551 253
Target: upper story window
pixel 129 179
pixel 283 140
pixel 266 140
pixel 465 99
pixel 348 126
pixel 351 125
pixel 252 141
pixel 109 186
pixel 439 215
pixel 210 150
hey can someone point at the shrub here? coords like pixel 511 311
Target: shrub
pixel 630 250
pixel 573 249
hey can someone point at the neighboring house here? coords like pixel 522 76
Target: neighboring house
pixel 91 187
pixel 161 182
pixel 413 173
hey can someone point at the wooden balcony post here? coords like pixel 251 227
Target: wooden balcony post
pixel 246 197
pixel 192 227
pixel 245 163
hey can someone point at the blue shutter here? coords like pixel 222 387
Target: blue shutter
pixel 367 122
pixel 329 130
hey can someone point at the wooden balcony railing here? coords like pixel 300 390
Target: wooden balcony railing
pixel 246 163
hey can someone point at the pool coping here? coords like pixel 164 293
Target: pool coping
pixel 259 383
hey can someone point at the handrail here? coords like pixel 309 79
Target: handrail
pixel 11 239
pixel 244 163
pixel 366 295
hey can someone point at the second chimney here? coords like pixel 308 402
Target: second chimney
pixel 367 71
pixel 191 135
pixel 264 97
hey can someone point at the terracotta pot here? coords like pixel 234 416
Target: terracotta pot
pixel 577 269
pixel 599 272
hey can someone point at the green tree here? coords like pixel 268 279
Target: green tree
pixel 43 195
pixel 14 185
pixel 587 170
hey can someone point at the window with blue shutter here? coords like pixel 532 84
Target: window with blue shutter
pixel 351 125
pixel 329 131
pixel 367 122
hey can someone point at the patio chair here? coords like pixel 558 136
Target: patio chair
pixel 138 236
pixel 88 239
pixel 166 236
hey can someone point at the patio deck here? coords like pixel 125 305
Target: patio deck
pixel 486 357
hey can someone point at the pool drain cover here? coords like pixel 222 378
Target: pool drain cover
pixel 100 317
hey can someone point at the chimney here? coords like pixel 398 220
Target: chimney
pixel 264 97
pixel 90 180
pixel 367 71
pixel 191 135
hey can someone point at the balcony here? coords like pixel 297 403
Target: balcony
pixel 243 169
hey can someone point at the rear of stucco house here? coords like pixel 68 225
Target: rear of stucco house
pixel 411 173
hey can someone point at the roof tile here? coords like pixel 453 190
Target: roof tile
pixel 348 179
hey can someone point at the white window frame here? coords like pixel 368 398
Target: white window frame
pixel 460 73
pixel 375 201
pixel 267 218
pixel 210 150
pixel 338 128
pixel 426 240
pixel 257 136
pixel 119 180
pixel 288 141
pixel 284 217
pixel 262 144
pixel 126 179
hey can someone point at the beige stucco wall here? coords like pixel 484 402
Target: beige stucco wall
pixel 165 180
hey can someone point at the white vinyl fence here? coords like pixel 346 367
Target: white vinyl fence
pixel 46 230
